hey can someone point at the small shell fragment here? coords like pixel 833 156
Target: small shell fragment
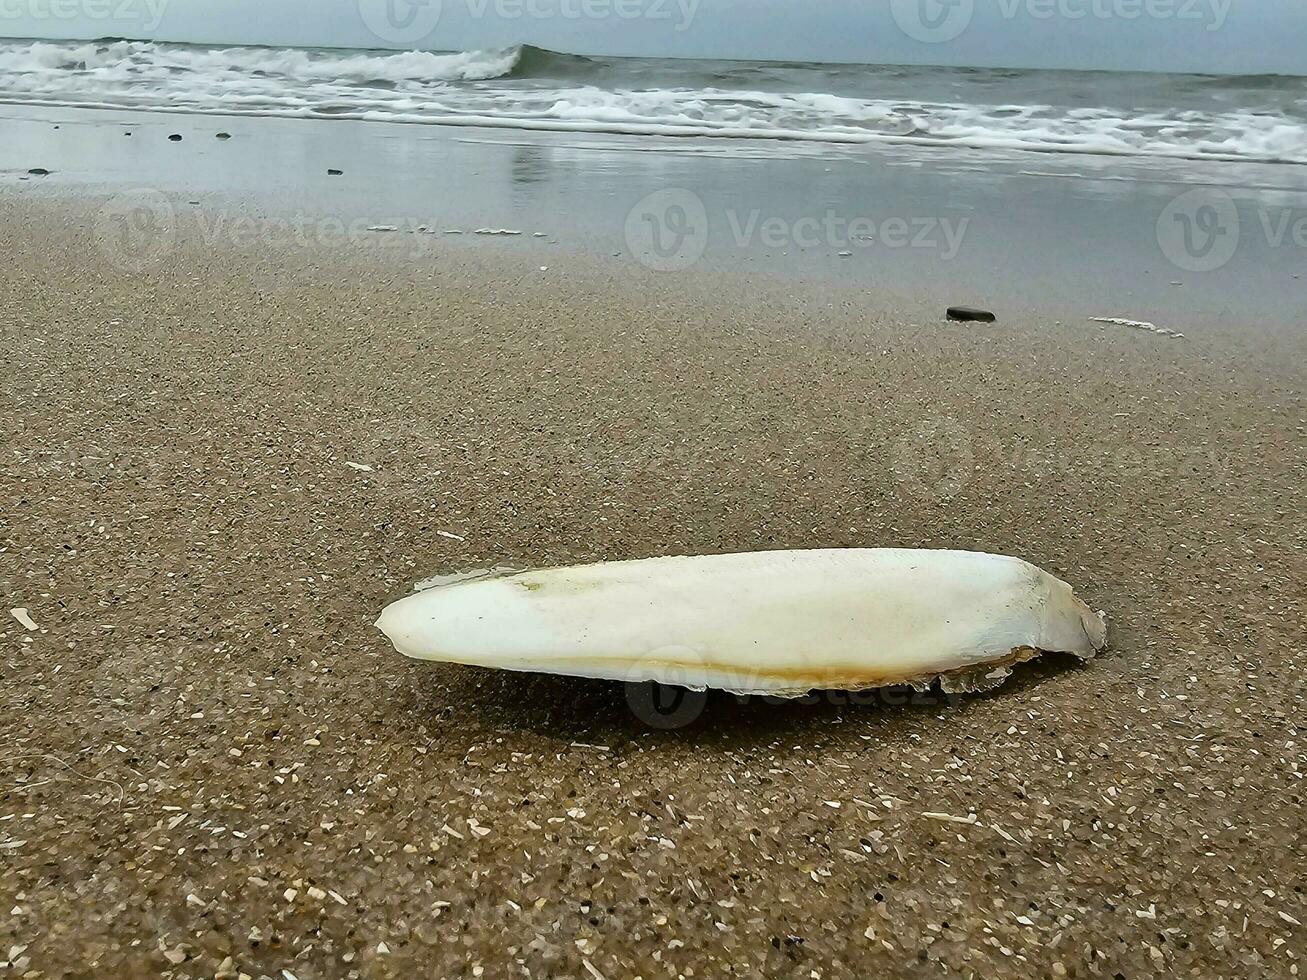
pixel 970 818
pixel 781 623
pixel 1139 325
pixel 21 614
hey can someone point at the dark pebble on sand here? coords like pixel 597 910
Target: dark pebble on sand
pixel 224 136
pixel 335 173
pixel 39 172
pixel 175 137
pixel 970 313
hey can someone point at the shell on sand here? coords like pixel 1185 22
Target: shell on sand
pixel 781 623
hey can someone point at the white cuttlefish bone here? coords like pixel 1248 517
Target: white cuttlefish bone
pixel 782 622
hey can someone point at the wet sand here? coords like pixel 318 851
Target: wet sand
pixel 212 764
pixel 1063 235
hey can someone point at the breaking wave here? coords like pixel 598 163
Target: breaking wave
pixel 530 88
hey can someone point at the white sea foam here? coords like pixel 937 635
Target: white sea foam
pixel 128 61
pixel 499 88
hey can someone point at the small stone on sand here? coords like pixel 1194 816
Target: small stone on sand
pixel 965 314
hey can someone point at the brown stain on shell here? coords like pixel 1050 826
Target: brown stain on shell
pixel 798 679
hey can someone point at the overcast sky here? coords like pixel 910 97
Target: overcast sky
pixel 1234 36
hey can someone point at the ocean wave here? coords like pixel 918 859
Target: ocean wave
pixel 530 88
pixel 47 64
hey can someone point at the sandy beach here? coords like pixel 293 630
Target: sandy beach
pixel 219 469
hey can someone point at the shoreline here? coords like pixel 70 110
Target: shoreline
pixel 737 138
pixel 1069 238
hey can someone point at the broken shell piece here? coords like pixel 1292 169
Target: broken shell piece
pixel 781 623
pixel 1121 322
pixel 24 617
pixel 1138 325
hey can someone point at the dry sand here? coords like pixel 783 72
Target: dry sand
pixel 212 764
